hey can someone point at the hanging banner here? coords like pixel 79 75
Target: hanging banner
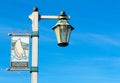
pixel 20 52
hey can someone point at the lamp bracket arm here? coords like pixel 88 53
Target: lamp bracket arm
pixel 45 17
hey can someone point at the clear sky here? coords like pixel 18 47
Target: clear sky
pixel 93 55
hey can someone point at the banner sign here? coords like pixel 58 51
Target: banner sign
pixel 20 52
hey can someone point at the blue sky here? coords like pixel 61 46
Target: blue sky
pixel 93 55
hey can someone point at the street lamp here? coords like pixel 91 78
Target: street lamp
pixel 63 30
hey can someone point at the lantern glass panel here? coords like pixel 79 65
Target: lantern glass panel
pixel 63 33
pixel 57 31
pixel 68 33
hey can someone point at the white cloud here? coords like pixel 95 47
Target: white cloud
pixel 98 39
pixel 104 39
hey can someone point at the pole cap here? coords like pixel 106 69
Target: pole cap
pixel 35 9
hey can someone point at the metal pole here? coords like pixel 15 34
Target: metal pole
pixel 35 17
pixel 34 69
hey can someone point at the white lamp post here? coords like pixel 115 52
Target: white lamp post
pixel 62 29
pixel 35 35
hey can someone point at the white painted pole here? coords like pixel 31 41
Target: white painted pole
pixel 35 18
